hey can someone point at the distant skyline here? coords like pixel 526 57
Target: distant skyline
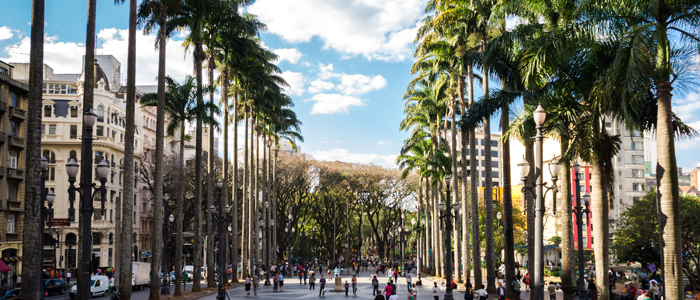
pixel 347 62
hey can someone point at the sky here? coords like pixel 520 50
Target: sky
pixel 347 62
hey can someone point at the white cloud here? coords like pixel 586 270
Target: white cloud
pixel 351 157
pixel 5 33
pixel 319 85
pixel 333 103
pixel 296 82
pixel 291 55
pixel 382 30
pixel 687 108
pixel 382 143
pixel 66 57
pixel 357 84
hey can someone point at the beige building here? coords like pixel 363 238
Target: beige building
pixel 13 95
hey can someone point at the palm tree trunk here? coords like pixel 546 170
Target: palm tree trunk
pixel 508 238
pixel 274 199
pixel 455 188
pixel 199 57
pixel 129 191
pixel 488 199
pixel 256 206
pixel 253 199
pixel 427 246
pixel 179 217
pixel 234 192
pixel 567 232
pixel 464 137
pixel 265 211
pixel 224 96
pixel 668 196
pixel 245 237
pixel 211 276
pixel 33 224
pixel 599 214
pixel 476 238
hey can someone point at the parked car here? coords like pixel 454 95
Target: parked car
pixel 99 286
pixel 12 294
pixel 172 276
pixel 55 286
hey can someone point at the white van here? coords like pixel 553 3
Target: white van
pixel 99 286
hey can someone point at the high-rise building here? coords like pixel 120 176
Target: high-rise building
pixel 13 94
pixel 481 148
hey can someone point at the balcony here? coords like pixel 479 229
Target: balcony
pixel 18 113
pixel 13 205
pixel 17 142
pixel 15 174
pixel 3 107
pixel 3 138
pixel 2 172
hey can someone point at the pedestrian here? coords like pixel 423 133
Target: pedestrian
pixel 19 280
pixel 501 292
pixel 635 279
pixel 354 285
pixel 375 285
pixel 592 291
pixel 226 289
pixel 552 289
pixel 301 276
pixel 312 281
pixel 247 285
pixel 306 274
pixel 469 294
pixel 14 279
pixel 281 277
pixel 436 291
pixel 411 295
pixel 322 289
pixel 396 276
pixel 347 288
pixel 256 282
pixel 68 277
pixel 516 288
pixel 408 281
pixel 526 281
pixel 275 282
pixel 388 290
pixel 483 295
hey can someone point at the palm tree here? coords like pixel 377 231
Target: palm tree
pixel 647 64
pixel 181 107
pixel 33 223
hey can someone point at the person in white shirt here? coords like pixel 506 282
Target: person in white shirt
pixel 483 295
pixel 408 281
pixel 436 291
pixel 393 297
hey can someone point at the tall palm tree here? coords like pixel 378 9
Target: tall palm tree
pixel 646 64
pixel 33 223
pixel 150 14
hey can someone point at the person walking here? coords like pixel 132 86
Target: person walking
pixel 592 290
pixel 411 295
pixel 312 281
pixel 408 281
pixel 501 292
pixel 436 291
pixel 68 276
pixel 306 274
pixel 256 282
pixel 247 285
pixel 322 289
pixel 347 288
pixel 354 285
pixel 375 285
pixel 516 288
pixel 469 294
pixel 483 295
pixel 275 282
pixel 526 281
pixel 552 289
pixel 388 290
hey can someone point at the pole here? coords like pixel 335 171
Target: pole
pixel 538 280
pixel 448 244
pixel 165 288
pixel 579 223
pixel 267 246
pixel 43 223
pixel 87 210
pixel 220 254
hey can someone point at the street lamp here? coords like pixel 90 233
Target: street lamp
pixel 165 287
pixel 499 216
pixel 580 209
pixel 418 229
pixel 220 218
pixel 288 231
pixel 267 229
pixel 403 261
pixel 537 189
pixel 87 192
pixel 446 215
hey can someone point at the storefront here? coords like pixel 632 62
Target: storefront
pixel 10 265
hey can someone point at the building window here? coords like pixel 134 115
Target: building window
pixel 47 111
pixel 15 100
pixel 52 129
pixel 638 173
pixel 74 132
pixel 12 188
pixel 494 164
pixel 100 113
pixel 608 125
pixel 636 133
pixel 619 158
pixel 43 129
pixel 620 188
pixel 638 159
pixel 637 146
pixel 73 111
pixel 73 155
pixel 99 156
pixel 495 174
pixel 50 156
pixel 11 223
pixel 100 130
pixel 52 174
pixel 638 187
pixel 494 153
pixel 13 159
pixel 14 128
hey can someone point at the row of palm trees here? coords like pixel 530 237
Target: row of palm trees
pixel 585 62
pixel 251 92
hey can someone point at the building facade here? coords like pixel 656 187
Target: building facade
pixel 13 106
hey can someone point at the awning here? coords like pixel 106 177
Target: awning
pixel 11 259
pixel 4 267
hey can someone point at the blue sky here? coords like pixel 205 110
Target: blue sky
pixel 348 64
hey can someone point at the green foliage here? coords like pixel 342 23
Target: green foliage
pixel 556 240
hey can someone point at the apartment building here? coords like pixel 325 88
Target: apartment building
pixel 13 95
pixel 629 164
pixel 481 148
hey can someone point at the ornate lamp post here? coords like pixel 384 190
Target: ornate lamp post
pixel 499 216
pixel 165 287
pixel 401 234
pixel 220 218
pixel 87 192
pixel 446 214
pixel 537 188
pixel 289 230
pixel 267 228
pixel 417 228
pixel 580 209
